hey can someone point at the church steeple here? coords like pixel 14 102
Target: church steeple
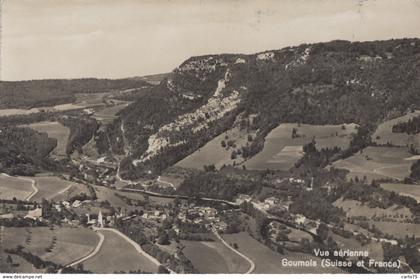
pixel 100 219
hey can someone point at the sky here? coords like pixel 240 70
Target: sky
pixel 125 38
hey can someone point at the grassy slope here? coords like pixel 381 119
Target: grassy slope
pixel 212 153
pixel 214 257
pixel 273 155
pixel 399 230
pixel 378 162
pixel 355 208
pixel 268 261
pixel 384 134
pixel 11 187
pixel 374 248
pixel 72 243
pixel 411 190
pixel 49 187
pixel 117 254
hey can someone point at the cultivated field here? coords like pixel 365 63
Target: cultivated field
pixel 410 190
pixel 214 257
pixel 378 162
pixel 54 130
pixel 281 151
pixel 70 245
pixel 268 261
pixel 14 187
pixel 116 254
pixel 384 134
pixel 213 153
pixel 354 208
pixel 52 187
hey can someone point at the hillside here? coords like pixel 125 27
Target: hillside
pixel 38 93
pixel 324 83
pixel 22 150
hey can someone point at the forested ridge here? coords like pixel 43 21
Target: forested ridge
pixel 324 83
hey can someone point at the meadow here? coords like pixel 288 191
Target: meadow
pixel 378 162
pixel 214 257
pixel 116 254
pixel 212 153
pixel 410 190
pixel 70 245
pixel 54 130
pixel 90 99
pixel 107 194
pixel 374 248
pixel 281 151
pixel 73 189
pixel 399 230
pixel 355 208
pixel 109 113
pixel 14 187
pixel 51 187
pixel 384 134
pixel 268 261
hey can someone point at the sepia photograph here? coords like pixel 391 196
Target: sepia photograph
pixel 209 137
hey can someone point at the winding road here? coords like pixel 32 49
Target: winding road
pixel 252 264
pixel 91 254
pixel 117 176
pixel 33 183
pixel 136 246
pixel 126 238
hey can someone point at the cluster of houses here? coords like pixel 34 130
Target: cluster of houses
pixel 155 215
pixel 205 215
pixel 97 172
pixel 68 205
pixel 265 205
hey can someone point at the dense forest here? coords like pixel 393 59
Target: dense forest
pixel 23 150
pixel 82 129
pixel 217 185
